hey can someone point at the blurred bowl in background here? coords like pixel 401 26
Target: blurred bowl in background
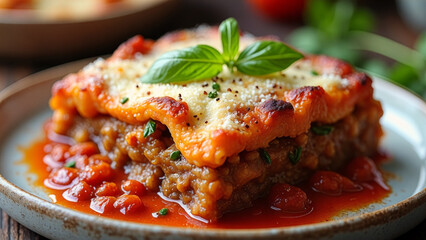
pixel 36 34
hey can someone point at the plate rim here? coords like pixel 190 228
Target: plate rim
pixel 353 223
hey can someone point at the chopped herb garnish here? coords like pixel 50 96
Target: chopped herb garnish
pixel 265 155
pixel 315 73
pixel 212 94
pixel 70 164
pixel 149 128
pixel 124 100
pixel 204 61
pixel 163 211
pixel 216 86
pixel 322 130
pixel 175 155
pixel 295 155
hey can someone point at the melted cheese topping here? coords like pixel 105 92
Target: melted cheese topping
pixel 207 130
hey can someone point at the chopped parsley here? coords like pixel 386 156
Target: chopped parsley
pixel 315 73
pixel 265 155
pixel 149 128
pixel 322 130
pixel 295 155
pixel 163 212
pixel 216 86
pixel 175 155
pixel 212 94
pixel 70 164
pixel 124 100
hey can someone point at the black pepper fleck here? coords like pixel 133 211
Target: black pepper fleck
pixel 217 99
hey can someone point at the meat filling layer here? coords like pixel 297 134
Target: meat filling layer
pixel 211 192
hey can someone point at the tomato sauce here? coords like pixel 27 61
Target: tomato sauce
pixel 323 197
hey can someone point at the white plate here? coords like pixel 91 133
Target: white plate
pixel 24 108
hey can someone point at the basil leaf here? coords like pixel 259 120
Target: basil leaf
pixel 149 128
pixel 163 211
pixel 322 130
pixel 70 164
pixel 230 37
pixel 175 155
pixel 266 57
pixel 295 155
pixel 265 156
pixel 216 86
pixel 124 100
pixel 194 63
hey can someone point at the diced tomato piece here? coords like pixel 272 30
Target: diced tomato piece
pixel 63 176
pixel 332 183
pixel 86 149
pixel 128 49
pixel 102 204
pixel 60 152
pixel 107 189
pixel 286 198
pixel 79 192
pixel 97 173
pixel 133 187
pixel 98 158
pixel 128 204
pixel 362 169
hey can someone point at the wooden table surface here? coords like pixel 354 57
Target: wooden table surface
pixel 203 11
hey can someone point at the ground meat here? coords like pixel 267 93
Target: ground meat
pixel 211 192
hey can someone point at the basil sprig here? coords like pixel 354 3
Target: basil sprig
pixel 203 61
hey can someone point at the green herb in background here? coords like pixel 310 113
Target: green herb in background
pixel 203 61
pixel 342 30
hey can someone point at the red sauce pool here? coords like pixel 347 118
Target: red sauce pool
pixel 324 207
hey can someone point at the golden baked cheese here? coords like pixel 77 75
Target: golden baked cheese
pixel 247 113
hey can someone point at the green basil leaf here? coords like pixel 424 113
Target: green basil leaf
pixel 295 155
pixel 266 57
pixel 149 128
pixel 216 86
pixel 70 164
pixel 124 100
pixel 194 63
pixel 322 130
pixel 265 156
pixel 230 39
pixel 163 211
pixel 175 155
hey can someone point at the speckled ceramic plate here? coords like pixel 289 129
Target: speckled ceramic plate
pixel 24 108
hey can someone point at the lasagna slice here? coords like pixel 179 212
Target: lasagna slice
pixel 218 153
